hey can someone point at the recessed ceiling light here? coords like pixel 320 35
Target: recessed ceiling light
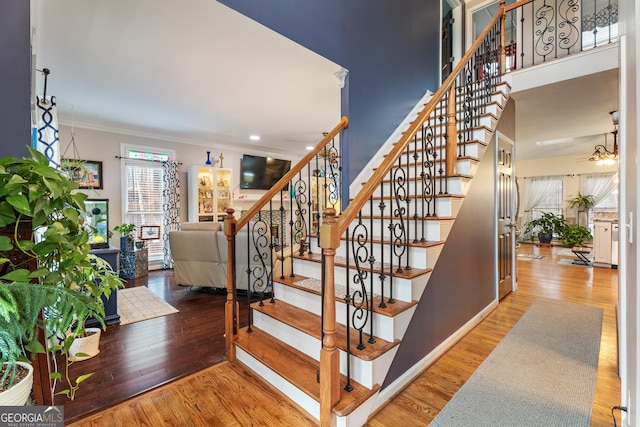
pixel 309 148
pixel 254 137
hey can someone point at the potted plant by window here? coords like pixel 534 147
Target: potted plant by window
pixel 45 264
pixel 126 231
pixel 575 235
pixel 583 202
pixel 545 226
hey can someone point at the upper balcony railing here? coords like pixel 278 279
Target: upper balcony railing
pixel 536 31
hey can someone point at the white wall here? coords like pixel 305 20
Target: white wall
pixel 105 146
pixel 629 234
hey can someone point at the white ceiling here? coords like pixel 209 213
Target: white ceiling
pixel 196 71
pixel 188 71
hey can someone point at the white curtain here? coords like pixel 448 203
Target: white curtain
pixel 171 208
pixel 535 191
pixel 598 185
pixel 46 137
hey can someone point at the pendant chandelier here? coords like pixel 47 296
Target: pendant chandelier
pixel 601 154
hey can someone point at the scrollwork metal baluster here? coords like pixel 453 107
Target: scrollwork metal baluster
pixel 429 158
pixel 398 231
pixel 544 18
pixel 360 298
pixel 300 227
pixel 568 32
pixel 259 276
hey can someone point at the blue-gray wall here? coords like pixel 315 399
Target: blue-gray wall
pixel 463 280
pixel 390 47
pixel 15 78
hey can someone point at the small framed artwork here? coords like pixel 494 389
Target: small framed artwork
pixel 86 173
pixel 149 232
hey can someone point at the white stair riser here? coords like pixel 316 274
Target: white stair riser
pixel 291 391
pixel 475 134
pixel 365 372
pixel 445 207
pixel 385 327
pixel 403 289
pixel 451 185
pixel 433 230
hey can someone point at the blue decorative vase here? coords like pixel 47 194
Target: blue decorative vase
pixel 208 162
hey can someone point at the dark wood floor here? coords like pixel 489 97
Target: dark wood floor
pixel 140 356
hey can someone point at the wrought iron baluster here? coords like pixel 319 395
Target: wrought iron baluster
pixel 372 261
pixel 360 298
pixel 545 18
pixel 429 159
pixel 415 188
pixel 347 302
pixel 300 227
pixel 381 207
pixel 390 245
pixel 399 229
pixel 568 31
pixel 442 143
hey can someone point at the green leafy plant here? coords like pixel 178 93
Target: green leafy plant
pixel 548 223
pixel 582 202
pixel 125 229
pixel 41 226
pixel 575 235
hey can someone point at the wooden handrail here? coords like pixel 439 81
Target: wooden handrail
pixel 389 161
pixel 253 211
pixel 516 5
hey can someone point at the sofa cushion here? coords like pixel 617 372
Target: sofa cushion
pixel 201 226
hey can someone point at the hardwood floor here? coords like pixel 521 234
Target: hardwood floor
pixel 228 394
pixel 140 356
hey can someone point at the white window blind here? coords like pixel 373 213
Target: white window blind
pixel 143 192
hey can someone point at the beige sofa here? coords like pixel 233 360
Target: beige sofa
pixel 199 252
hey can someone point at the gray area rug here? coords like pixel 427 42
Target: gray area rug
pixel 543 373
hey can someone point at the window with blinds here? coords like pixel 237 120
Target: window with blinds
pixel 143 192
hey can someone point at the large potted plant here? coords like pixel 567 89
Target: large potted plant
pixel 45 264
pixel 583 202
pixel 575 235
pixel 545 226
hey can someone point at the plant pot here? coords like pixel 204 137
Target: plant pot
pixel 545 237
pixel 126 244
pixel 19 393
pixel 89 345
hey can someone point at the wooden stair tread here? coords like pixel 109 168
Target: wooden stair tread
pixel 454 196
pixel 299 369
pixel 311 324
pixel 405 274
pixel 426 218
pixel 391 309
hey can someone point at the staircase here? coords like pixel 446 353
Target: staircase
pixel 284 340
pixel 327 333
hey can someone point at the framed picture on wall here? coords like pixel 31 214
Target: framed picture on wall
pixel 86 173
pixel 149 232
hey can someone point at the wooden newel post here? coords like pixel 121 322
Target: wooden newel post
pixel 452 133
pixel 230 309
pixel 329 355
pixel 503 46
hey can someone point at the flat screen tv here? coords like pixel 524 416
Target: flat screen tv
pixel 261 173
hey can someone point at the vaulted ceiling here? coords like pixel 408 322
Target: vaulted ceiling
pixel 201 73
